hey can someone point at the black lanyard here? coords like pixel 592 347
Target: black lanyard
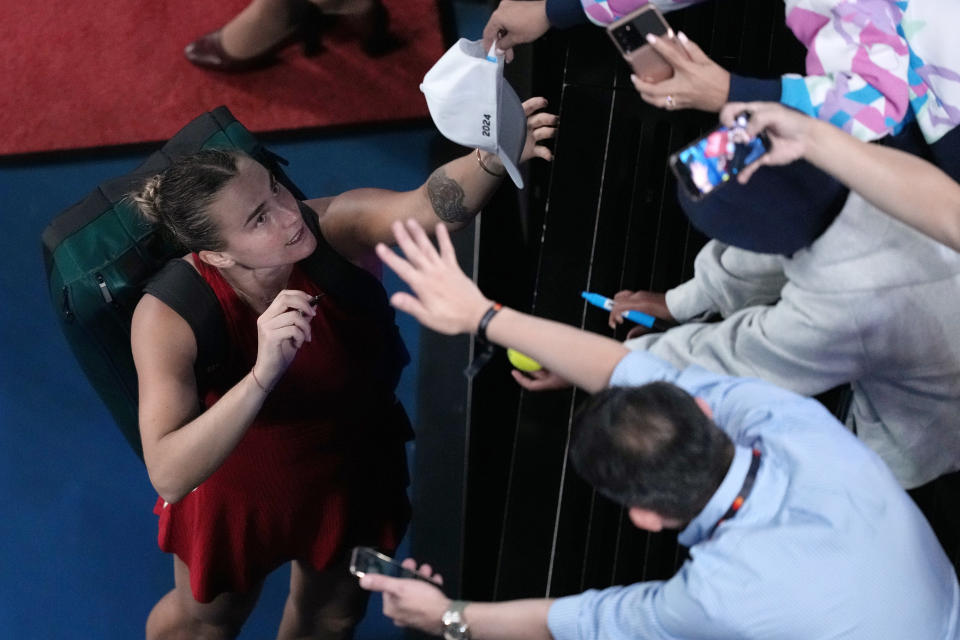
pixel 744 492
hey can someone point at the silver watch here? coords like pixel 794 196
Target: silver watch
pixel 455 626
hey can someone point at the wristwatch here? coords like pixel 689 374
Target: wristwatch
pixel 455 626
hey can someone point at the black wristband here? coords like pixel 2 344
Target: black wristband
pixel 485 320
pixel 485 350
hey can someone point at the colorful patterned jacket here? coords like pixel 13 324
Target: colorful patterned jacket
pixel 872 65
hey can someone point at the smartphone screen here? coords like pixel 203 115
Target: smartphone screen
pixel 717 157
pixel 365 560
pixel 632 33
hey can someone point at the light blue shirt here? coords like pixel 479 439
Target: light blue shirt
pixel 827 545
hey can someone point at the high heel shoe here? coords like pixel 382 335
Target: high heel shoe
pixel 371 27
pixel 306 22
pixel 207 52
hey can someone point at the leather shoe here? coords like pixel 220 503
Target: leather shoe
pixel 372 28
pixel 207 52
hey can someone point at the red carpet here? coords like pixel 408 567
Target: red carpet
pixel 84 73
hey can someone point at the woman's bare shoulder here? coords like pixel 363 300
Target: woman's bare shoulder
pixel 156 327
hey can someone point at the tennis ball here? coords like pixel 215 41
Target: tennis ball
pixel 522 362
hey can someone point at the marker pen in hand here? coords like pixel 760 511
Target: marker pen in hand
pixel 313 301
pixel 639 317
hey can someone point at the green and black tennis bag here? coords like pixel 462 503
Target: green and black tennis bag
pixel 100 255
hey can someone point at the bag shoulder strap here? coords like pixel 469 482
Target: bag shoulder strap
pixel 353 286
pixel 339 277
pixel 183 289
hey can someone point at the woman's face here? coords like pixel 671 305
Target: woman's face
pixel 259 219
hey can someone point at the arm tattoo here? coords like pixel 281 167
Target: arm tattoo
pixel 446 196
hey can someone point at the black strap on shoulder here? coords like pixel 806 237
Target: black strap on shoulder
pixel 355 287
pixel 341 278
pixel 183 289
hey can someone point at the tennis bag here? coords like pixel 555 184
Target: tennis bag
pixel 101 255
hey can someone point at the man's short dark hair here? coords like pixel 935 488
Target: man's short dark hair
pixel 650 447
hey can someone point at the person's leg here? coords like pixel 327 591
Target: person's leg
pixel 264 23
pixel 343 7
pixel 178 616
pixel 260 26
pixel 324 605
pixel 365 20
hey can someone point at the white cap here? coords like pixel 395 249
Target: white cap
pixel 471 104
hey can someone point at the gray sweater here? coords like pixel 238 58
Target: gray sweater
pixel 871 302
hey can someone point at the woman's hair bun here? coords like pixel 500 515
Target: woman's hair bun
pixel 146 199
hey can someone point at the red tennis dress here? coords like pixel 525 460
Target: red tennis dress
pixel 322 467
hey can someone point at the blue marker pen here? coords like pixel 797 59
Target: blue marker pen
pixel 639 317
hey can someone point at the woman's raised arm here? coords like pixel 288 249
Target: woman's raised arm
pixel 355 221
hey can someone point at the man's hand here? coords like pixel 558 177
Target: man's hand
pixel 697 83
pixel 786 128
pixel 515 22
pixel 540 126
pixel 540 380
pixel 649 302
pixel 444 298
pixel 409 602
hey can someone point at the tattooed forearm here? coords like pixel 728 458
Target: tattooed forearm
pixel 446 196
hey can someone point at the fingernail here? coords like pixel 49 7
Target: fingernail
pixel 500 51
pixel 683 37
pixel 651 38
pixel 633 78
pixel 670 32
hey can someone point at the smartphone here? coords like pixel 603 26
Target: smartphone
pixel 629 35
pixel 364 560
pixel 711 161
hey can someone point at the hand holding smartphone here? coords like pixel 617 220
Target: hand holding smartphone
pixel 711 161
pixel 629 35
pixel 364 560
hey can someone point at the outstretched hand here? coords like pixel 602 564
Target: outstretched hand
pixel 443 298
pixel 515 22
pixel 786 128
pixel 410 602
pixel 697 83
pixel 540 126
pixel 540 380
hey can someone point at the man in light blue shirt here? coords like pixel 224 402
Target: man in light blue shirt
pixel 825 545
pixel 795 528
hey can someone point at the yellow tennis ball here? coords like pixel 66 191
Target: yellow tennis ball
pixel 522 362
